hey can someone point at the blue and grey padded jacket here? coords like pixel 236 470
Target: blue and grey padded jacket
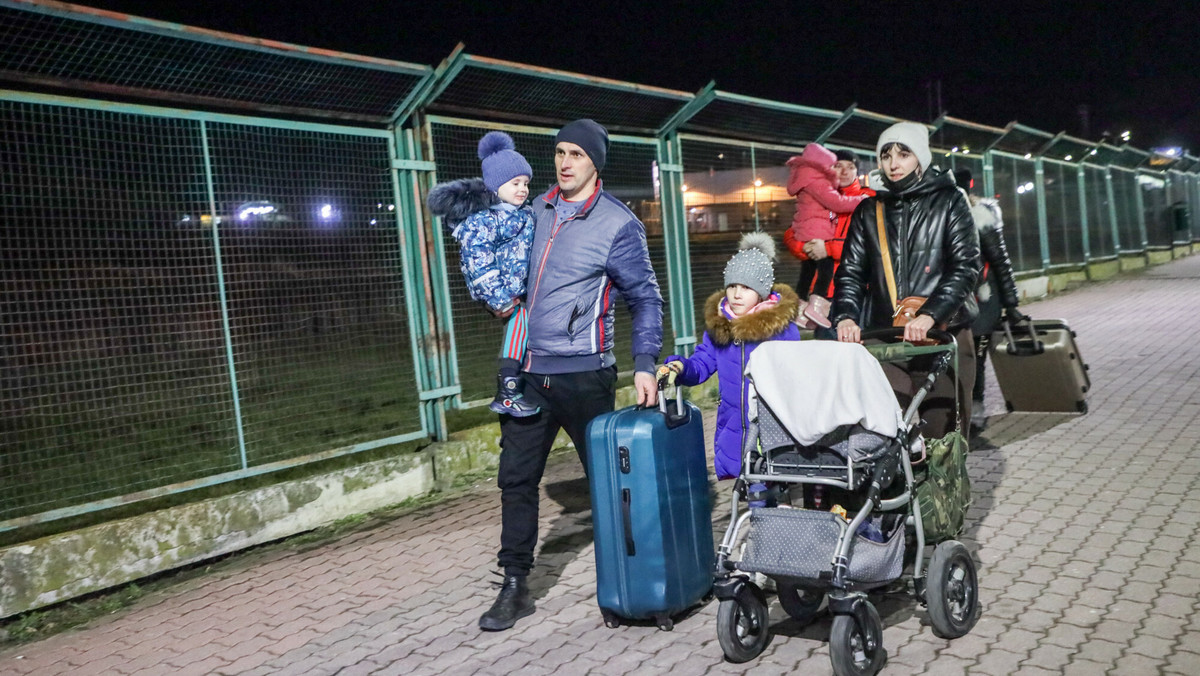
pixel 576 267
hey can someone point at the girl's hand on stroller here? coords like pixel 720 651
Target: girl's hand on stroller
pixel 916 330
pixel 849 332
pixel 676 366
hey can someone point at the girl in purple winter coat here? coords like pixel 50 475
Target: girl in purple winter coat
pixel 750 310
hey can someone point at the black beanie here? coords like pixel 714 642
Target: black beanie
pixel 846 155
pixel 589 135
pixel 963 178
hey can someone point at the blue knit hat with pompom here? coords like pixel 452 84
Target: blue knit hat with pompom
pixel 501 161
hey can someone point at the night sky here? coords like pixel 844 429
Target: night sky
pixel 1134 65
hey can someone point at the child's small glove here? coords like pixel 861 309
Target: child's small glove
pixel 669 372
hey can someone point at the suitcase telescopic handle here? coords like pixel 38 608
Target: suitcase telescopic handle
pixel 1018 349
pixel 680 415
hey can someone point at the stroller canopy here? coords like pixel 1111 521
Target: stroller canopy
pixel 816 386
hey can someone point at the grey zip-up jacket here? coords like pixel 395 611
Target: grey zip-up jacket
pixel 575 267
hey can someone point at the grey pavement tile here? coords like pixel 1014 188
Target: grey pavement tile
pixel 1049 656
pixel 1183 663
pixel 1136 665
pixel 1100 650
pixel 998 662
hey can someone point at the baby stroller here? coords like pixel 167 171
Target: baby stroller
pixel 825 424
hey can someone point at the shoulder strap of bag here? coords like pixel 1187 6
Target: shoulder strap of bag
pixel 887 254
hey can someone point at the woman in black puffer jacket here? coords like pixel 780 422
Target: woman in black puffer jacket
pixel 934 249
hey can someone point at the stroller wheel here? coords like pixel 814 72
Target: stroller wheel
pixel 952 590
pixel 801 603
pixel 742 627
pixel 848 645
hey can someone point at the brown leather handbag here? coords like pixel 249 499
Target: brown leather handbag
pixel 906 309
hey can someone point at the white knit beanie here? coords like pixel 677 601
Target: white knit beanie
pixel 911 134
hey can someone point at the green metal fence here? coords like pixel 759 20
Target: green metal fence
pixel 192 296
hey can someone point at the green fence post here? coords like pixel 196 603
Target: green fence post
pixel 1083 214
pixel 417 290
pixel 1141 212
pixel 675 237
pixel 1039 170
pixel 449 388
pixel 989 179
pixel 228 335
pixel 1112 210
pixel 754 175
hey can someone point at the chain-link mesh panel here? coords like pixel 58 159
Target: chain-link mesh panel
pixel 1015 189
pixel 741 119
pixel 1064 225
pixel 964 137
pixel 1100 239
pixel 862 130
pixel 1154 205
pixel 627 175
pixel 1125 194
pixel 954 162
pixel 312 269
pixel 114 376
pixel 507 93
pixel 1068 149
pixel 722 202
pixel 1020 141
pixel 83 50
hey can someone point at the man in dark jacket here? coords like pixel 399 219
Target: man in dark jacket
pixel 997 287
pixel 934 252
pixel 586 244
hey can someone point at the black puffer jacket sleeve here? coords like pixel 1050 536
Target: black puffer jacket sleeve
pixel 995 253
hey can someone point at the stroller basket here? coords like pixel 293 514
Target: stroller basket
pixel 835 454
pixel 800 543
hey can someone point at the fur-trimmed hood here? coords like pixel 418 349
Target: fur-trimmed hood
pixel 754 327
pixel 455 200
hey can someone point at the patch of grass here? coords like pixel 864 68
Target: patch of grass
pixel 39 624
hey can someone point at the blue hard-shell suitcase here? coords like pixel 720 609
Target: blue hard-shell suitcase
pixel 651 512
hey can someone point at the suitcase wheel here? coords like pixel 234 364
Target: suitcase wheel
pixel 611 620
pixel 664 622
pixel 1081 406
pixel 1008 405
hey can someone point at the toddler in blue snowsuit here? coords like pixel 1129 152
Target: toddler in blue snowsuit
pixel 494 229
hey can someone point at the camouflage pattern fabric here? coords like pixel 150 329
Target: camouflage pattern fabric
pixel 944 489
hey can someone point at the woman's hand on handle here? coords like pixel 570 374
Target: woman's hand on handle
pixel 916 330
pixel 849 332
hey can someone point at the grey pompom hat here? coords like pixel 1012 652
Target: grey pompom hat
pixel 753 266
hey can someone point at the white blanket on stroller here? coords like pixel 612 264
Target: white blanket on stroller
pixel 815 386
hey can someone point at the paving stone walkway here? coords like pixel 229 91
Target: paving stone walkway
pixel 1087 530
